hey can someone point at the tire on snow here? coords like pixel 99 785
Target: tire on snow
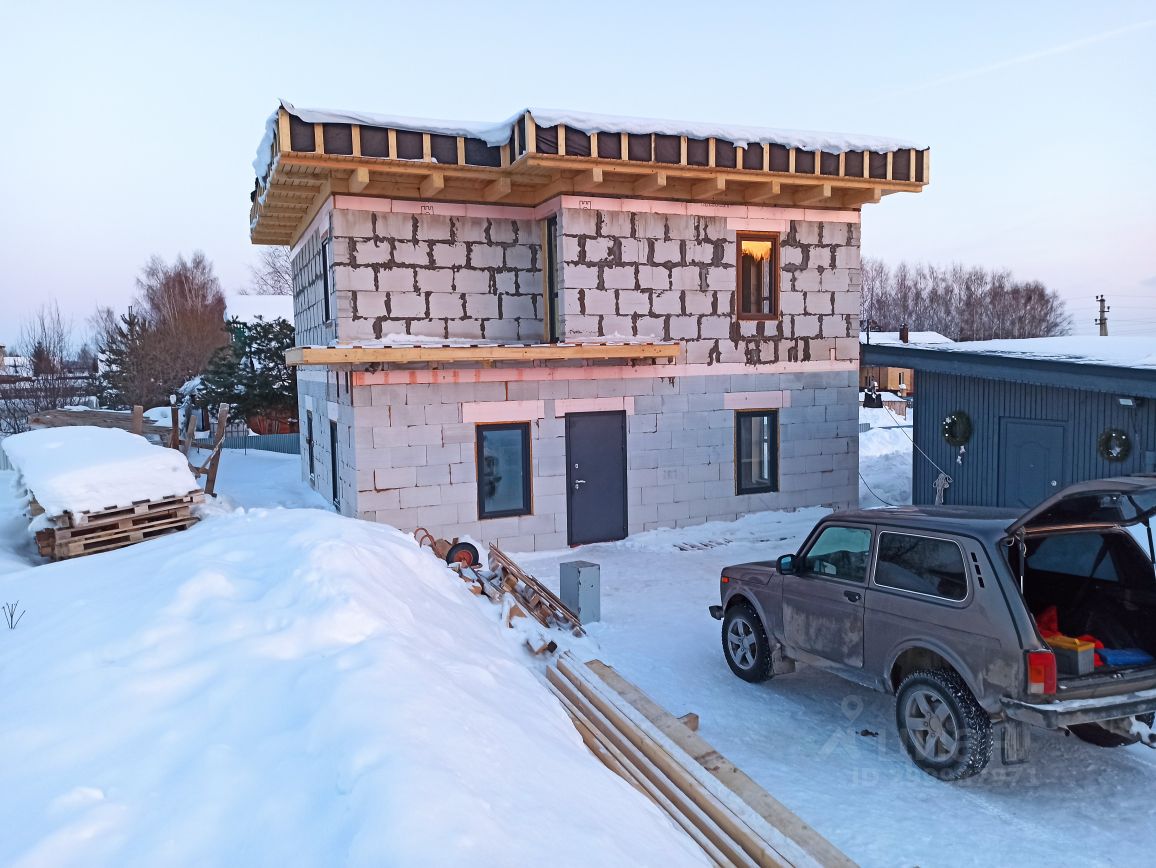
pixel 944 694
pixel 745 644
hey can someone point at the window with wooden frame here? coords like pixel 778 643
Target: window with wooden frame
pixel 504 470
pixel 757 293
pixel 756 451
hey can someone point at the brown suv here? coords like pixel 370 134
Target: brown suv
pixel 948 608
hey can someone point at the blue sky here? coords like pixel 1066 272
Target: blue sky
pixel 129 129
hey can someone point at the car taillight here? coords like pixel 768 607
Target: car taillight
pixel 1041 672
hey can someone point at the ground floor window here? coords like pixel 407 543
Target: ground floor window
pixel 756 451
pixel 309 442
pixel 503 455
pixel 333 464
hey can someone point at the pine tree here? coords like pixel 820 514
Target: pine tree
pixel 129 369
pixel 251 376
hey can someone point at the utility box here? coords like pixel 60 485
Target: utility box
pixel 581 590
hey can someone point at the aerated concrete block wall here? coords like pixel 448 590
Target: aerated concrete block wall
pixel 673 277
pixel 437 276
pixel 324 394
pixel 415 449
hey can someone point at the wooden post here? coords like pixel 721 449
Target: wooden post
pixel 137 419
pixel 190 431
pixel 175 429
pixel 218 441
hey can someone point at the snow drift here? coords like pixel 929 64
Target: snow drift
pixel 290 687
pixel 84 468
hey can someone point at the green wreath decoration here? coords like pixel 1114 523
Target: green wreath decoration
pixel 1114 445
pixel 957 428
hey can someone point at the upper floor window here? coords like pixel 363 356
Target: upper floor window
pixel 758 275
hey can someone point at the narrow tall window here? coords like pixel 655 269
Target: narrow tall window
pixel 758 276
pixel 504 470
pixel 309 442
pixel 333 464
pixel 550 270
pixel 756 451
pixel 326 281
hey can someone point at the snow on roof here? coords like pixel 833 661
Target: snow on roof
pixel 883 338
pixel 247 308
pixel 494 134
pixel 1117 352
pixel 305 688
pixel 84 468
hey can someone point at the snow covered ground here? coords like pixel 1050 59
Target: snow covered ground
pixel 290 687
pixel 221 656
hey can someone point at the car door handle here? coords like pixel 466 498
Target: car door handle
pixel 853 596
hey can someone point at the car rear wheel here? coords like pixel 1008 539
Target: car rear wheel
pixel 745 643
pixel 943 729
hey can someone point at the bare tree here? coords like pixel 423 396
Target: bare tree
pixel 184 309
pixel 273 275
pixel 963 303
pixel 46 377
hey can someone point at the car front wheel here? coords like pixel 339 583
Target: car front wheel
pixel 745 643
pixel 944 730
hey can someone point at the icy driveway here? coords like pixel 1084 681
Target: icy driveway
pixel 800 735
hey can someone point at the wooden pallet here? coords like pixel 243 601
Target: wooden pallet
pixel 114 514
pixel 107 538
pixel 730 817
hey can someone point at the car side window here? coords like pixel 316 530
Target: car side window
pixel 922 565
pixel 839 552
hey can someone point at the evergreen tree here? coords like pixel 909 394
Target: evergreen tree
pixel 129 365
pixel 250 373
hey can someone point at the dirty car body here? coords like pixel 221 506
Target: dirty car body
pixel 940 606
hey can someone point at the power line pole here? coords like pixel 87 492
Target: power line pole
pixel 1102 321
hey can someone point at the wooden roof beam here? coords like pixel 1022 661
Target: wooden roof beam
pixel 497 190
pixel 709 188
pixel 359 180
pixel 651 184
pixel 763 192
pixel 432 184
pixel 813 195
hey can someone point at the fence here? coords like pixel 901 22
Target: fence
pixel 288 444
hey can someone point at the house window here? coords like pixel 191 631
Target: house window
pixel 309 442
pixel 758 276
pixel 756 451
pixel 326 280
pixel 333 464
pixel 504 474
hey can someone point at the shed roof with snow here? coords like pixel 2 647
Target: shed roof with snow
pixel 541 153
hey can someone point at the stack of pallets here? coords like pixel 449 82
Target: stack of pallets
pixel 74 534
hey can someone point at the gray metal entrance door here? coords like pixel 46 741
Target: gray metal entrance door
pixel 1031 465
pixel 595 477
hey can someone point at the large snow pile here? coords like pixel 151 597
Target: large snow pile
pixel 84 468
pixel 290 687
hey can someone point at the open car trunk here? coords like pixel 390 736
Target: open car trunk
pixel 1098 585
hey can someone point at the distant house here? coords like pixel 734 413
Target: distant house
pixel 564 328
pixel 1012 421
pixel 898 381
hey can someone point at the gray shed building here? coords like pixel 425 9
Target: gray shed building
pixel 1031 415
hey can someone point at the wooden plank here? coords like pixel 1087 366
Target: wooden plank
pixel 652 183
pixel 816 194
pixel 693 802
pixel 767 806
pixel 218 443
pixel 497 190
pixel 762 192
pixel 662 790
pixel 533 352
pixel 359 180
pixel 137 420
pixel 709 188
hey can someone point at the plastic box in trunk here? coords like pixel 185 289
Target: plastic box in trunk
pixel 1073 656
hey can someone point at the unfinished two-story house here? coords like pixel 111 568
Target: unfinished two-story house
pixel 565 328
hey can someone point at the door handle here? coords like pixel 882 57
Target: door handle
pixel 578 482
pixel 853 596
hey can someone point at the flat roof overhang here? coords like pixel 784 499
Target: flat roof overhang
pixel 310 162
pixel 1087 376
pixel 480 354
